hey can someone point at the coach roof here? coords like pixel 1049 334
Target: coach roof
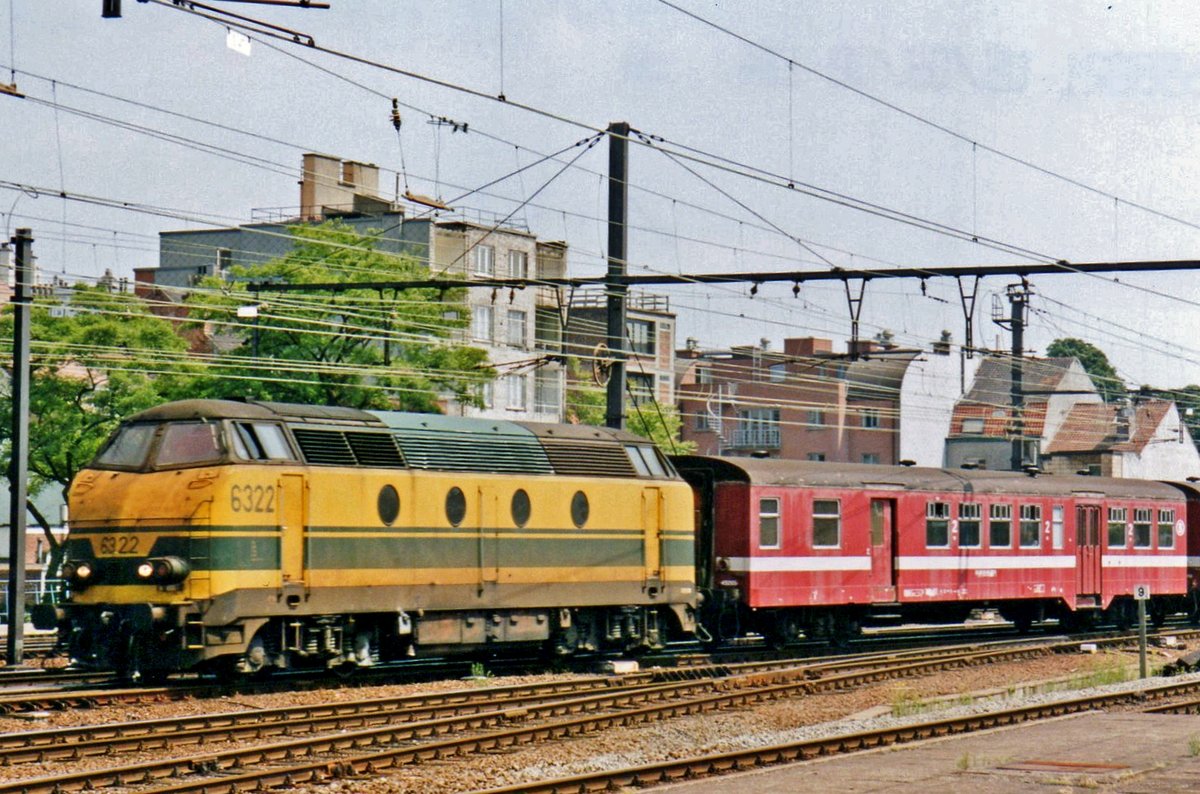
pixel 799 473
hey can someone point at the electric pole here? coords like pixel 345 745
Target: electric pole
pixel 1018 296
pixel 18 472
pixel 614 288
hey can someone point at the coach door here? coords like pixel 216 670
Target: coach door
pixel 652 535
pixel 291 529
pixel 1087 549
pixel 883 539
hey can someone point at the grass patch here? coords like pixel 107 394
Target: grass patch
pixel 1194 745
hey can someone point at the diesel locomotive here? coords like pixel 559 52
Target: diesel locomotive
pixel 243 536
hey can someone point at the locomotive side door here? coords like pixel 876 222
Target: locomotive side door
pixel 488 537
pixel 1087 549
pixel 652 535
pixel 883 550
pixel 290 515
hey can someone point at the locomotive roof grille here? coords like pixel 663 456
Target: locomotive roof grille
pixel 326 447
pixel 375 449
pixel 451 451
pixel 591 460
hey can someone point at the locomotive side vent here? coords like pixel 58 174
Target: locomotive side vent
pixel 326 447
pixel 432 449
pixel 375 449
pixel 588 460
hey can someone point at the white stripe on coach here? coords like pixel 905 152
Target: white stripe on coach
pixel 1149 561
pixel 797 564
pixel 956 563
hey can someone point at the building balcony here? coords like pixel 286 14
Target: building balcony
pixel 756 438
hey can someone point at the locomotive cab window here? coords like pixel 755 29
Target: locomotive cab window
pixel 260 441
pixel 937 524
pixel 1166 529
pixel 1143 521
pixel 827 523
pixel 1000 527
pixel 128 448
pixel 970 520
pixel 1116 527
pixel 768 523
pixel 188 444
pixel 1031 526
pixel 645 460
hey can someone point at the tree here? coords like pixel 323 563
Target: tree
pixel 356 347
pixel 1094 362
pixel 660 423
pixel 93 362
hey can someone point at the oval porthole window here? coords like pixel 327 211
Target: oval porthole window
pixel 388 504
pixel 521 508
pixel 456 506
pixel 579 508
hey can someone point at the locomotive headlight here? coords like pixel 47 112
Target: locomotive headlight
pixel 68 570
pixel 164 570
pixel 83 571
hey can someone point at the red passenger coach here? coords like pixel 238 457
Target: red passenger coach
pixel 820 548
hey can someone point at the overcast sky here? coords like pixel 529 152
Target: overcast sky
pixel 1101 93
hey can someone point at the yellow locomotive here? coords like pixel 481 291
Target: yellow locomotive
pixel 239 536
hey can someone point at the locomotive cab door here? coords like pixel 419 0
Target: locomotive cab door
pixel 652 536
pixel 883 550
pixel 1087 549
pixel 292 535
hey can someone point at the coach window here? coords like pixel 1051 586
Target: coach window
pixel 1143 520
pixel 1000 527
pixel 1166 529
pixel 768 523
pixel 1116 527
pixel 937 524
pixel 970 520
pixel 188 444
pixel 1057 531
pixel 1031 526
pixel 827 523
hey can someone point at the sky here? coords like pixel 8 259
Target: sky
pixel 1061 131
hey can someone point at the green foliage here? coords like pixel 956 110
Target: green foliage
pixel 355 347
pixel 1094 362
pixel 101 359
pixel 587 405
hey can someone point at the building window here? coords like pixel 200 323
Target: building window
pixel 768 523
pixel 816 417
pixel 778 373
pixel 485 260
pixel 545 391
pixel 827 523
pixel 483 323
pixel 870 457
pixel 487 393
pixel 1000 526
pixel 224 261
pixel 757 427
pixel 970 522
pixel 518 264
pixel 1143 521
pixel 641 387
pixel 1031 526
pixel 816 457
pixel 972 426
pixel 1057 531
pixel 1116 527
pixel 515 385
pixel 641 336
pixel 516 328
pixel 704 375
pixel 937 524
pixel 870 417
pixel 1166 526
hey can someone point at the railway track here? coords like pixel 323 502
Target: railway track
pixel 368 736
